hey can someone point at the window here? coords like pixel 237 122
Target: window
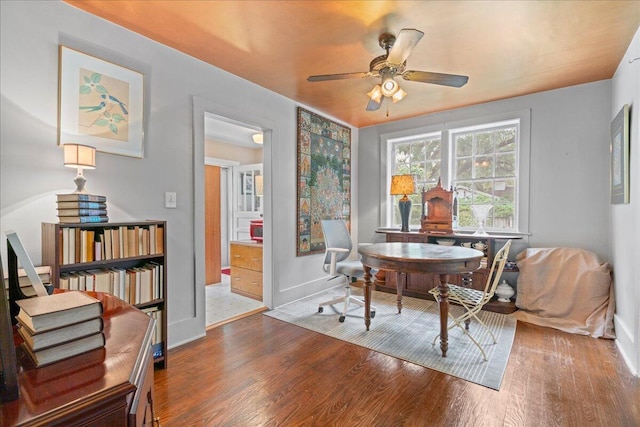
pixel 421 157
pixel 485 173
pixel 487 164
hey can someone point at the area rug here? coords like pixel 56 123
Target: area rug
pixel 226 271
pixel 409 335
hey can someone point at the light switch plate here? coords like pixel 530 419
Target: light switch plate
pixel 170 200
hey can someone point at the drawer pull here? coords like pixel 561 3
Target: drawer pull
pixel 254 283
pixel 237 256
pixel 236 278
pixel 255 259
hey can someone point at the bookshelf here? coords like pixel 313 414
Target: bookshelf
pixel 126 259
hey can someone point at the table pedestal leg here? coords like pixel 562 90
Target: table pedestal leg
pixel 444 313
pixel 401 282
pixel 367 296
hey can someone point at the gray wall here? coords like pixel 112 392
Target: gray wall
pixel 625 218
pixel 31 170
pixel 569 169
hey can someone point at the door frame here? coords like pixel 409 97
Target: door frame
pixel 202 107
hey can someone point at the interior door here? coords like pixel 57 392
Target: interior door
pixel 246 200
pixel 212 247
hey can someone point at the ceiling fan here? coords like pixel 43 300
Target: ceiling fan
pixel 392 64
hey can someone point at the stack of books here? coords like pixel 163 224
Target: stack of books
pixel 59 326
pixel 25 283
pixel 81 208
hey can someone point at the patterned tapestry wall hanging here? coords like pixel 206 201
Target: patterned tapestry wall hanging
pixel 324 178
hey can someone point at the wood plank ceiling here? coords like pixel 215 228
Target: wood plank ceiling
pixel 507 48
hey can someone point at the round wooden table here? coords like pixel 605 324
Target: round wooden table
pixel 404 258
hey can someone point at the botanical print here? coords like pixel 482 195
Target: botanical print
pixel 324 178
pixel 103 104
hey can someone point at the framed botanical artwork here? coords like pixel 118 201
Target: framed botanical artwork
pixel 620 157
pixel 323 178
pixel 100 104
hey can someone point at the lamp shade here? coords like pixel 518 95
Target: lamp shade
pixel 402 185
pixel 259 185
pixel 79 156
pixel 257 138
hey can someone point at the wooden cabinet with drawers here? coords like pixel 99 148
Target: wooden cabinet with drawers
pixel 246 268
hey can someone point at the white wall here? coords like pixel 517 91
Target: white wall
pixel 625 218
pixel 31 170
pixel 569 172
pixel 225 151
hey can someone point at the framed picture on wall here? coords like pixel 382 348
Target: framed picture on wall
pixel 620 157
pixel 100 104
pixel 324 178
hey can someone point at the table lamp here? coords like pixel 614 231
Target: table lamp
pixel 401 185
pixel 80 157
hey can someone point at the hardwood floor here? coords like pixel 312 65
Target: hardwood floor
pixel 260 371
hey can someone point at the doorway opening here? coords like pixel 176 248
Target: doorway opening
pixel 233 163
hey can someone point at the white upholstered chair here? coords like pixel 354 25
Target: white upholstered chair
pixel 473 300
pixel 336 263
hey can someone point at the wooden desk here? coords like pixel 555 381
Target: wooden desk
pixel 407 258
pixel 109 386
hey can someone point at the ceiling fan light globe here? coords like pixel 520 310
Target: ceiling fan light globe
pixel 375 94
pixel 389 86
pixel 399 95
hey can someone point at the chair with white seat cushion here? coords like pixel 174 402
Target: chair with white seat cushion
pixel 338 248
pixel 473 300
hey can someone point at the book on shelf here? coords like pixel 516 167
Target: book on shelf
pixel 81 197
pixel 63 351
pixel 44 272
pixel 81 212
pixel 156 340
pixel 82 219
pixel 44 313
pixel 39 341
pixel 81 205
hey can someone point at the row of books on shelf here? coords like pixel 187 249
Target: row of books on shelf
pixel 136 285
pixel 88 245
pixel 156 341
pixel 82 208
pixel 59 326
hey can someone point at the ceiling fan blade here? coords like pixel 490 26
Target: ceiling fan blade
pixel 373 105
pixel 406 40
pixel 325 77
pixel 435 78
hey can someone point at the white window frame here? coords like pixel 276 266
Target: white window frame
pixel 388 140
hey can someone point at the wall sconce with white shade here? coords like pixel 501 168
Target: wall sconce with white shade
pixel 401 185
pixel 80 157
pixel 258 138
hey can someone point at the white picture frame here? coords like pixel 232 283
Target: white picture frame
pixel 101 104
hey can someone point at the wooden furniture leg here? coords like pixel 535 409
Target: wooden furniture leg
pixel 401 281
pixel 467 281
pixel 367 296
pixel 444 313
